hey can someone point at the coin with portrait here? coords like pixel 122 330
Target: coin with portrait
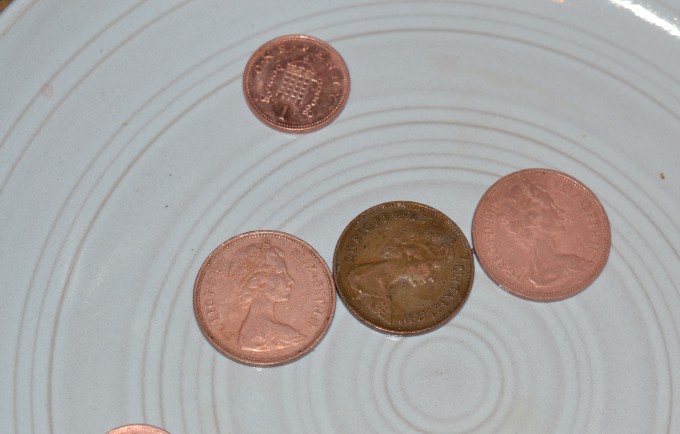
pixel 264 298
pixel 541 234
pixel 403 268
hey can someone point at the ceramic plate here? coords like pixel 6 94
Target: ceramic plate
pixel 128 153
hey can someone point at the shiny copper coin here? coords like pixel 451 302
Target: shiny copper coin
pixel 403 268
pixel 296 83
pixel 541 234
pixel 138 429
pixel 264 298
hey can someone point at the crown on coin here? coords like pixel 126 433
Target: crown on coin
pixel 250 259
pixel 519 193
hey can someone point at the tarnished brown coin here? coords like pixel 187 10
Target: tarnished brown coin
pixel 403 268
pixel 541 234
pixel 264 298
pixel 296 83
pixel 138 429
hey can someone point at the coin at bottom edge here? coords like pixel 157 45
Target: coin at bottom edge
pixel 138 429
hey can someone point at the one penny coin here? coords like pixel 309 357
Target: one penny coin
pixel 403 268
pixel 541 234
pixel 296 83
pixel 264 298
pixel 138 429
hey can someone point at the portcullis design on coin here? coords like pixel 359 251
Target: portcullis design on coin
pixel 403 268
pixel 541 234
pixel 264 298
pixel 296 83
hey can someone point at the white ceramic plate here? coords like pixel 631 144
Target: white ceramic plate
pixel 127 153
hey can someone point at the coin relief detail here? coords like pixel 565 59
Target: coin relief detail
pixel 264 298
pixel 403 268
pixel 296 83
pixel 541 234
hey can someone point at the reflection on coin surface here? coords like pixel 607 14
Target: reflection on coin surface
pixel 296 83
pixel 403 268
pixel 541 234
pixel 264 298
pixel 138 429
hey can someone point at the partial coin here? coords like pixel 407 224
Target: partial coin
pixel 138 429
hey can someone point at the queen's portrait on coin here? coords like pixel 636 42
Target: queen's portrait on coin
pixel 261 281
pixel 408 260
pixel 535 221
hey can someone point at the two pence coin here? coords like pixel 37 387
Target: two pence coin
pixel 541 234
